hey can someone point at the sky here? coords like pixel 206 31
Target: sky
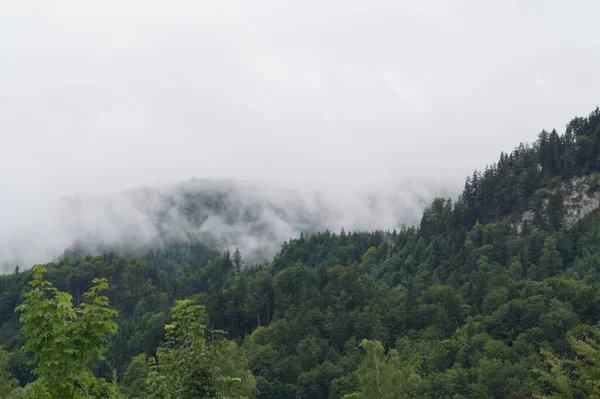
pixel 338 96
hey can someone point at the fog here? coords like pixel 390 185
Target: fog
pixel 225 214
pixel 364 110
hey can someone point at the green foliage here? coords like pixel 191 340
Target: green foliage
pixel 7 382
pixel 196 362
pixel 575 377
pixel 64 339
pixel 135 377
pixel 101 389
pixel 382 376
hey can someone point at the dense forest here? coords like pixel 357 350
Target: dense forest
pixel 494 295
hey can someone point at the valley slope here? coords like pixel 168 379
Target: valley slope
pixel 475 300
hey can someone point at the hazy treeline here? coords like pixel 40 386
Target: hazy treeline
pixel 222 213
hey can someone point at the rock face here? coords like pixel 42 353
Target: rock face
pixel 580 197
pixel 526 220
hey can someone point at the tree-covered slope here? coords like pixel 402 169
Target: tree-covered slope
pixel 483 299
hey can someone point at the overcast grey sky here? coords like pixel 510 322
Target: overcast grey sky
pixel 106 95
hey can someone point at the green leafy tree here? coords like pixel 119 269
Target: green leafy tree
pixel 64 339
pixel 578 377
pixel 102 389
pixel 382 376
pixel 135 376
pixel 7 383
pixel 198 363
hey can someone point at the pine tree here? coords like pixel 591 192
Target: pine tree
pixel 237 260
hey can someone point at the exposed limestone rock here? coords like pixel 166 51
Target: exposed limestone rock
pixel 580 198
pixel 526 219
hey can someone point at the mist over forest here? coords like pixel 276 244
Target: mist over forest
pixel 223 213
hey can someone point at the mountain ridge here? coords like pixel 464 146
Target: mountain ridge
pixel 461 305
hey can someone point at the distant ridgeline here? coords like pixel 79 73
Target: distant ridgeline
pixel 221 214
pixel 494 295
pixel 537 176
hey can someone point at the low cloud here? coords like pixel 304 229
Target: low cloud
pixel 257 218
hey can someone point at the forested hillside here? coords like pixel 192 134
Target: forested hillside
pixel 494 295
